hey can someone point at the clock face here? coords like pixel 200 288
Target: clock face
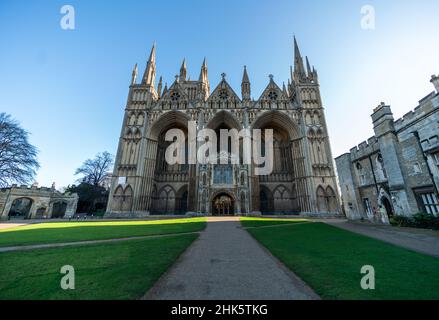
pixel 272 95
pixel 223 94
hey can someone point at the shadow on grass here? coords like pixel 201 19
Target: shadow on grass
pixel 330 260
pixel 122 270
pixel 81 231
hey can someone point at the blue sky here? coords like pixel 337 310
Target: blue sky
pixel 69 87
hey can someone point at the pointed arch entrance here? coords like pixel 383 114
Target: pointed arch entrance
pixel 222 203
pixel 288 166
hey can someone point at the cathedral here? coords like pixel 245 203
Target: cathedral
pixel 302 181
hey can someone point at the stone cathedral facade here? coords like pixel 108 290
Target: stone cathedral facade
pixel 303 178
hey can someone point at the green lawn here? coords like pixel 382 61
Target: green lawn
pixel 329 260
pixel 53 232
pixel 265 222
pixel 122 270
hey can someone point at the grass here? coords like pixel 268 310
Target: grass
pixel 329 260
pixel 124 270
pixel 249 222
pixel 55 232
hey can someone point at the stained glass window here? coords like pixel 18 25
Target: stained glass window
pixel 223 174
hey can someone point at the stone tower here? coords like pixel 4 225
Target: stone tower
pixel 303 179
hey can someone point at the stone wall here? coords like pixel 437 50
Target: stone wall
pixel 395 167
pixel 41 203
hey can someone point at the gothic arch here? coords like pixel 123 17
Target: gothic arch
pixel 140 119
pixel 137 134
pixel 224 117
pixel 322 203
pixel 118 198
pixel 218 192
pixel 385 200
pixel 317 118
pixel 221 193
pixel 132 119
pixel 282 199
pixel 127 199
pixel 332 199
pixel 169 119
pixel 165 200
pixel 266 200
pixel 181 200
pixel 274 118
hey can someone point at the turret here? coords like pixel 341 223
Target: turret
pixel 165 89
pixel 134 75
pixel 299 69
pixel 435 81
pixel 149 75
pixel 204 80
pixel 245 86
pixel 183 71
pixel 159 88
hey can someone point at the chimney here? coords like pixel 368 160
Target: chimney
pixel 435 81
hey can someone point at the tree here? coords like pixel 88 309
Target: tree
pixel 92 198
pixel 96 171
pixel 18 158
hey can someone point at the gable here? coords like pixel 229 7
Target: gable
pixel 224 93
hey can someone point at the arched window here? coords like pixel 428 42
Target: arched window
pixel 322 204
pixel 332 199
pixel 118 198
pixel 127 199
pixel 282 199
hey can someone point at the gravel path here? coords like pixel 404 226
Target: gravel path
pixel 420 240
pixel 225 263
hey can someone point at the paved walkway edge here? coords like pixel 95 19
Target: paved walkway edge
pixel 226 263
pixel 417 240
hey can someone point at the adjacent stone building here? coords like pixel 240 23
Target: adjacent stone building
pixel 23 202
pixel 303 180
pixel 395 172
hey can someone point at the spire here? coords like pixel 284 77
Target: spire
pixel 134 75
pixel 183 71
pixel 245 78
pixel 308 68
pixel 284 89
pixel 204 80
pixel 165 89
pixel 203 72
pixel 149 75
pixel 159 88
pixel 245 86
pixel 299 69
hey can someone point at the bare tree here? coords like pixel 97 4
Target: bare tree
pixel 18 158
pixel 96 171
